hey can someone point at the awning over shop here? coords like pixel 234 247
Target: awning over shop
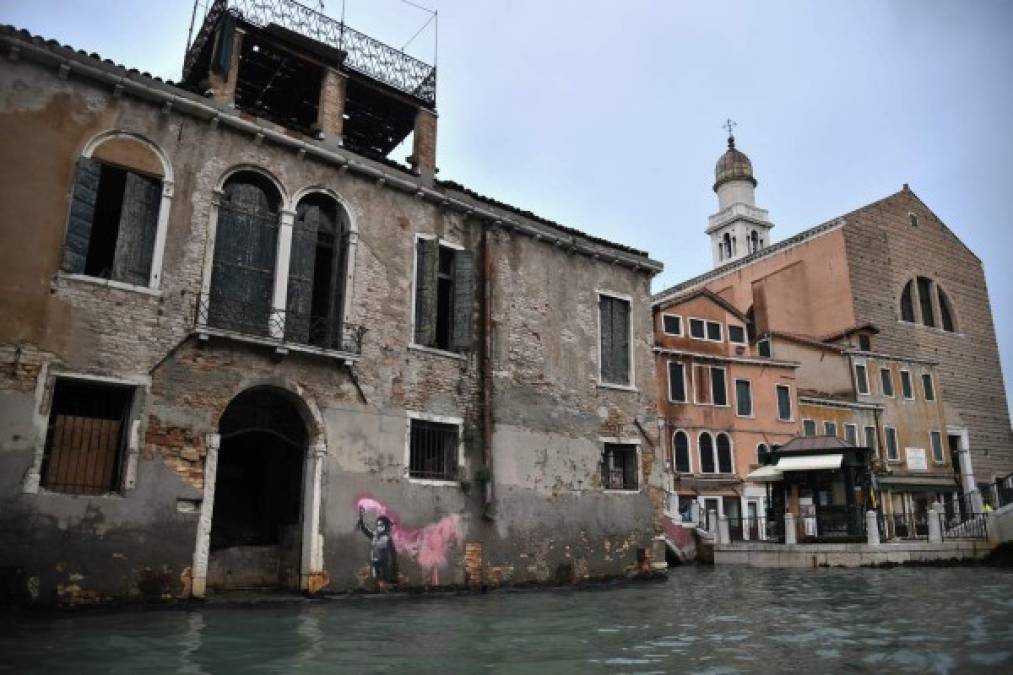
pixel 765 474
pixel 810 462
pixel 914 483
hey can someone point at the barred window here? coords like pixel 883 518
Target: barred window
pixel 433 449
pixel 86 437
pixel 619 467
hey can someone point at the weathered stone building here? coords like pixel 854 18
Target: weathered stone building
pixel 237 339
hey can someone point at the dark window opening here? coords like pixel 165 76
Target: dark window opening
pixel 892 452
pixel 945 313
pixel 914 219
pixel 862 379
pixel 724 454
pixel 930 392
pixel 907 308
pixel 676 383
pixel 696 329
pixel 706 453
pixel 113 219
pixel 851 434
pixel 783 403
pixel 317 270
pixel 619 467
pixel 278 86
pixel 870 439
pixel 433 450
pixel 830 429
pixel 937 446
pixel 375 122
pixel 614 326
pixel 87 433
pixel 905 385
pixel 744 397
pixel 763 348
pixel 718 387
pixel 672 324
pixel 737 334
pixel 713 330
pixel 762 454
pixel 925 301
pixel 808 427
pixel 680 446
pixel 864 342
pixel 886 380
pixel 444 296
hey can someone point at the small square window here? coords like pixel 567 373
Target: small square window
pixel 864 342
pixel 620 470
pixel 671 324
pixel 808 427
pixel 433 449
pixel 696 329
pixel 830 428
pixel 86 437
pixel 737 334
pixel 714 331
pixel 763 348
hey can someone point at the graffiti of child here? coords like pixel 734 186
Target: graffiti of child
pixel 382 554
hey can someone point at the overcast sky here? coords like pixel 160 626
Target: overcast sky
pixel 606 116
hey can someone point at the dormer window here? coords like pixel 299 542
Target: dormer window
pixel 736 334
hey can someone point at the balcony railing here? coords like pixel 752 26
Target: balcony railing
pixel 366 55
pixel 256 322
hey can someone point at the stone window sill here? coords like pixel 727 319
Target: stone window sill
pixel 107 283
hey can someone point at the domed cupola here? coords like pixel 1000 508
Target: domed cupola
pixel 733 165
pixel 739 228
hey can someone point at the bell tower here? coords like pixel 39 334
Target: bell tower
pixel 739 228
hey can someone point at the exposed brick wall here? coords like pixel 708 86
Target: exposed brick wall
pixel 884 252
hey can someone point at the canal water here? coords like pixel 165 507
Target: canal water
pixel 701 620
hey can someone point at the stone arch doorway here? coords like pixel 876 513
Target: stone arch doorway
pixel 255 537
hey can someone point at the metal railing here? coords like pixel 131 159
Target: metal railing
pixel 1003 488
pixel 365 54
pixel 756 529
pixel 833 522
pixel 268 325
pixel 906 526
pixel 964 526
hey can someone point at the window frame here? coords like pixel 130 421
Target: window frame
pixel 805 422
pixel 685 391
pixel 760 344
pixel 749 386
pixel 635 446
pixel 412 415
pixel 412 345
pixel 628 299
pixel 929 393
pixel 721 330
pixel 713 452
pixel 882 382
pixel 777 399
pixel 875 438
pixel 889 433
pixel 689 332
pixel 664 330
pixel 935 435
pixel 827 426
pixel 854 433
pixel 745 336
pixel 910 385
pixel 864 380
pixel 697 368
pixel 689 451
pixel 724 381
pixel 731 454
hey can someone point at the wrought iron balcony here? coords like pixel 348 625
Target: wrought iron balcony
pixel 259 323
pixel 366 55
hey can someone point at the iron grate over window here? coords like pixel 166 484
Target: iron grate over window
pixel 433 450
pixel 619 467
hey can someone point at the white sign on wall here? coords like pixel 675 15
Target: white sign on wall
pixel 916 459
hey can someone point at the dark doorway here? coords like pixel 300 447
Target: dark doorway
pixel 255 527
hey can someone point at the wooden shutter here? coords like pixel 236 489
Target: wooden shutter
pixel 464 300
pixel 426 280
pixel 621 341
pixel 135 238
pixel 82 215
pixel 606 332
pixel 299 302
pixel 701 384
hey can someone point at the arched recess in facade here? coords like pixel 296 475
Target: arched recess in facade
pixel 260 516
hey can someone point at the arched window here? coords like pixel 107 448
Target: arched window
pixel 680 452
pixel 316 277
pixel 945 311
pixel 706 445
pixel 727 239
pixel 118 211
pixel 755 240
pixel 242 273
pixel 907 306
pixel 724 454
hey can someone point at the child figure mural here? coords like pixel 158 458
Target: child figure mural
pixel 382 552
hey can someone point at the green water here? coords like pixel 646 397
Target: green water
pixel 702 620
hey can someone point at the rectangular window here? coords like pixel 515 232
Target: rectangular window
pixel 113 220
pixel 619 467
pixel 763 348
pixel 701 385
pixel 444 296
pixel 737 334
pixel 870 440
pixel 433 450
pixel 719 391
pixel 671 324
pixel 614 327
pixel 892 453
pixel 886 381
pixel 808 427
pixel 905 385
pixel 851 434
pixel 714 331
pixel 861 379
pixel 676 382
pixel 830 429
pixel 936 441
pixel 696 329
pixel 743 398
pixel 864 342
pixel 783 403
pixel 930 391
pixel 925 301
pixel 86 437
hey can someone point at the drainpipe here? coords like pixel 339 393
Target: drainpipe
pixel 485 374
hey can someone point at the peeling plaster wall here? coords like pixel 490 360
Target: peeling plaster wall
pixel 552 521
